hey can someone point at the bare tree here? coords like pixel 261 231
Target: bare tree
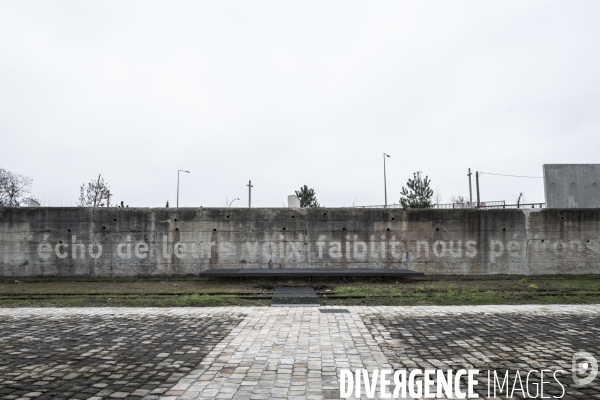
pixel 459 202
pixel 14 188
pixel 95 194
pixel 438 197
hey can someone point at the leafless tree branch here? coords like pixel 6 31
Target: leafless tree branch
pixel 14 188
pixel 95 194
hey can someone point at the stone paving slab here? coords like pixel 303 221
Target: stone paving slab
pixel 524 341
pixel 235 310
pixel 270 353
pixel 83 356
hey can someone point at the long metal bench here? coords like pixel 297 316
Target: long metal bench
pixel 284 272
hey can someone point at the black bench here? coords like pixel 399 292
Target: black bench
pixel 285 272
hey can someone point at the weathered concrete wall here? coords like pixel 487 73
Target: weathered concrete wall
pixel 572 185
pixel 117 241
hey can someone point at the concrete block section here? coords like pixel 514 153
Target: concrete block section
pixel 293 202
pixel 572 185
pixel 45 241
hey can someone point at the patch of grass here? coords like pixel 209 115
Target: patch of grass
pixel 196 300
pixel 206 292
pixel 458 290
pixel 137 301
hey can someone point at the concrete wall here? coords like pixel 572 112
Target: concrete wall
pixel 129 241
pixel 572 185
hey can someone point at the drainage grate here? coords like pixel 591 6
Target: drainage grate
pixel 334 311
pixel 295 297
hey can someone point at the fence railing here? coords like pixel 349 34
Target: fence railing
pixel 484 205
pixel 380 206
pixel 526 205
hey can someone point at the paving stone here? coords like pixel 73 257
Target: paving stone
pixel 83 345
pixel 261 353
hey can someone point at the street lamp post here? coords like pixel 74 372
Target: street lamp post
pixel 178 171
pixel 237 198
pixel 250 186
pixel 470 190
pixel 384 179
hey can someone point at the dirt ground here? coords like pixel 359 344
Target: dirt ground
pixel 195 291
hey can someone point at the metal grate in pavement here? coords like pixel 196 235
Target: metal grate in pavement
pixel 295 297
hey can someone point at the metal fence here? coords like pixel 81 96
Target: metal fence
pixel 485 205
pixel 380 206
pixel 527 205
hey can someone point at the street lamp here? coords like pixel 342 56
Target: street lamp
pixel 237 198
pixel 249 193
pixel 384 180
pixel 178 171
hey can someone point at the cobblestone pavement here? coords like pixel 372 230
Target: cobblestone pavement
pixel 82 356
pixel 490 341
pixel 280 352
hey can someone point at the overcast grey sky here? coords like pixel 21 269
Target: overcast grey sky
pixel 292 93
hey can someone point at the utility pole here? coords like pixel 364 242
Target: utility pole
pixel 384 180
pixel 249 193
pixel 477 186
pixel 470 190
pixel 178 171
